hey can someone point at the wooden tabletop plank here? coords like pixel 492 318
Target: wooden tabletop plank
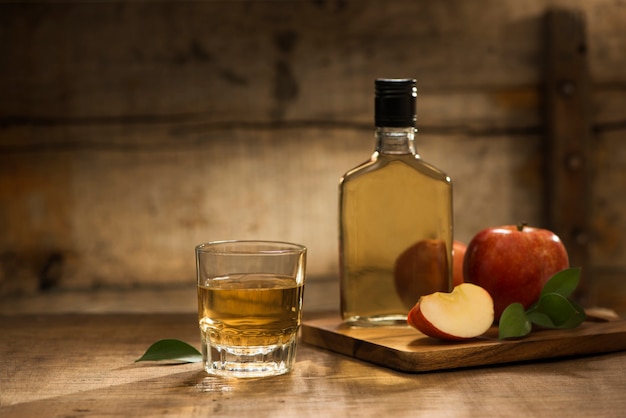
pixel 83 365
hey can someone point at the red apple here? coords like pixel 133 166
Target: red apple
pixel 420 270
pixel 458 254
pixel 466 312
pixel 513 263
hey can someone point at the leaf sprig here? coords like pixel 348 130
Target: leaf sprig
pixel 173 350
pixel 554 309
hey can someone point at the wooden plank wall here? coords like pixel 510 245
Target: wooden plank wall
pixel 131 131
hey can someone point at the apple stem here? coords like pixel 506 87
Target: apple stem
pixel 521 225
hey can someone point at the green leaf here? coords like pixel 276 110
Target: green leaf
pixel 513 322
pixel 171 350
pixel 575 320
pixel 553 310
pixel 563 283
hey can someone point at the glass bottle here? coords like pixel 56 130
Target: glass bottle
pixel 395 215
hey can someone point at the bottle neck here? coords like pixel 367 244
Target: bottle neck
pixel 395 140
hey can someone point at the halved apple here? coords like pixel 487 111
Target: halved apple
pixel 464 313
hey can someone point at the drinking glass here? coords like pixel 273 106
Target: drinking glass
pixel 249 306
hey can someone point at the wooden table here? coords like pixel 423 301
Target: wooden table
pixel 83 365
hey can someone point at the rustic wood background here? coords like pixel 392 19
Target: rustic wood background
pixel 131 131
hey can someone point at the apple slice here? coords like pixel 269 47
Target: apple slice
pixel 464 313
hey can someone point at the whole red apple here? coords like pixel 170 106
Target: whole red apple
pixel 420 270
pixel 513 263
pixel 458 255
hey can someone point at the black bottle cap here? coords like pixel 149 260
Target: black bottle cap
pixel 394 104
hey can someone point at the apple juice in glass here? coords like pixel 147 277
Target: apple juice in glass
pixel 395 213
pixel 249 306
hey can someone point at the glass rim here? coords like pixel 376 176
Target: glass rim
pixel 234 247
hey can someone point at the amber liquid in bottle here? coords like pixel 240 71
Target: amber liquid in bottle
pixel 395 231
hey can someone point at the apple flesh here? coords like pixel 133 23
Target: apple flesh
pixel 513 263
pixel 466 312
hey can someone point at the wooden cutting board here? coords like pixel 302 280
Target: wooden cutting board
pixel 405 349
